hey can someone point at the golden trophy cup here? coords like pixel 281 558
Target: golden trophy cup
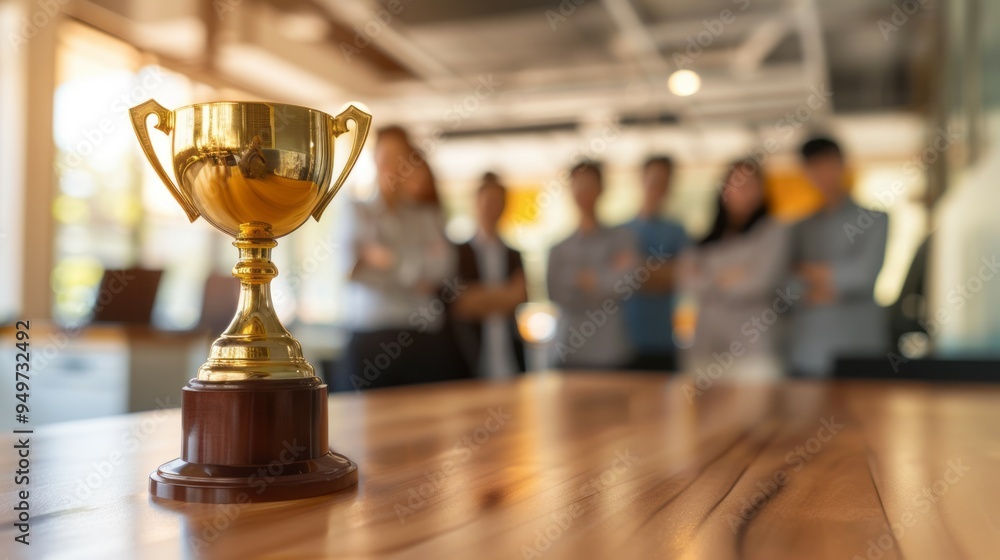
pixel 255 418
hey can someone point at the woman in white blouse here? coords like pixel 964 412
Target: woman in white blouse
pixel 403 278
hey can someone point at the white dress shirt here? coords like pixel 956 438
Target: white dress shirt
pixel 496 357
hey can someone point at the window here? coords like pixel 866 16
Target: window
pixel 112 211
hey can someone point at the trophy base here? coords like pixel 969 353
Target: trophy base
pixel 253 441
pixel 220 484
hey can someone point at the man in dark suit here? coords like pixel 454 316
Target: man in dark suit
pixel 493 278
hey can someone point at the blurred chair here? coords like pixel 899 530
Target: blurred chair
pixel 126 296
pixel 327 371
pixel 219 302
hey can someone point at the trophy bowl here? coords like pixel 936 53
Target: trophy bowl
pixel 243 162
pixel 256 171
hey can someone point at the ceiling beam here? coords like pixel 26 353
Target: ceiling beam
pixel 391 40
pixel 677 32
pixel 781 85
pixel 641 45
pixel 749 57
pixel 810 29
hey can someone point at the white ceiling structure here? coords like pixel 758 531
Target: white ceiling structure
pixel 552 64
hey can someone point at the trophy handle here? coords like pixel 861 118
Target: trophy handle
pixel 363 122
pixel 165 124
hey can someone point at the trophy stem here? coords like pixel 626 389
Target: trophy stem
pixel 255 345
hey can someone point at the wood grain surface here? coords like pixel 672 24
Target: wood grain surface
pixel 562 466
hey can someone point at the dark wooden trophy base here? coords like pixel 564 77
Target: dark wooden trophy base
pixel 253 441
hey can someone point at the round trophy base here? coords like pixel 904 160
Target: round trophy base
pixel 253 441
pixel 220 484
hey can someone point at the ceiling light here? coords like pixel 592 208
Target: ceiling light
pixel 684 83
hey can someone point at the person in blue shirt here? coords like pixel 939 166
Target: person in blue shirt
pixel 649 312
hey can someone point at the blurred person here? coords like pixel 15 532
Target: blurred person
pixel 837 255
pixel 401 165
pixel 649 313
pixel 585 278
pixel 403 278
pixel 494 278
pixel 735 276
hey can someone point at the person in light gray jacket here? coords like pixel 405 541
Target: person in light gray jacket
pixel 736 277
pixel 836 257
pixel 587 279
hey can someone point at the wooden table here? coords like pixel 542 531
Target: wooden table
pixel 564 466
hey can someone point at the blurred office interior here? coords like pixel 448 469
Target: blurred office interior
pixel 524 88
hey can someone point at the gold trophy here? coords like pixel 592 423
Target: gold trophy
pixel 255 418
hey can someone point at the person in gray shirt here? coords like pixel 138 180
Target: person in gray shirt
pixel 588 279
pixel 837 254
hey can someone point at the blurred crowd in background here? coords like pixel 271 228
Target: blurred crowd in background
pixel 761 298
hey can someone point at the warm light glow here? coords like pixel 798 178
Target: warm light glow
pixel 685 320
pixel 684 83
pixel 536 322
pixel 305 27
pixel 914 345
pixel 460 229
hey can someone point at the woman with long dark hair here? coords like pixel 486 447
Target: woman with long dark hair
pixel 402 279
pixel 735 276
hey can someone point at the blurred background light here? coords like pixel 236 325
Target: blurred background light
pixel 537 322
pixel 684 83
